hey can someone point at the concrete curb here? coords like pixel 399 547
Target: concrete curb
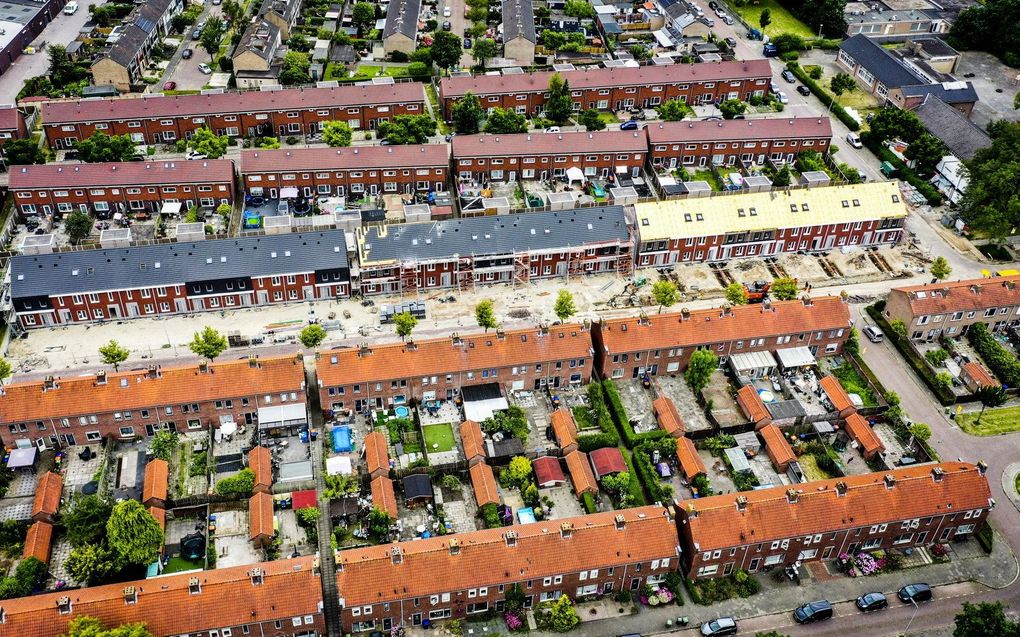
pixel 1009 475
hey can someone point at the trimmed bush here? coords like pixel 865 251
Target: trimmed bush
pixel 619 414
pixel 1004 365
pixel 824 96
pixel 588 500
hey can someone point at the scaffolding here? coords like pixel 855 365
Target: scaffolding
pixel 522 268
pixel 408 277
pixel 465 273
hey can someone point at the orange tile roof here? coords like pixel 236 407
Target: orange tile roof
pixel 160 515
pixel 751 403
pixel 837 395
pixel 564 427
pixel 471 439
pixel 82 395
pixel 861 431
pixel 705 327
pixel 955 296
pixel 47 494
pixel 166 606
pixel 980 375
pixel 383 496
pixel 484 483
pixel 260 516
pixel 776 445
pixel 442 356
pixel 157 474
pixel 377 455
pixel 261 464
pixel 690 462
pixel 668 416
pixel 580 473
pixel 38 542
pixel 482 558
pixel 716 523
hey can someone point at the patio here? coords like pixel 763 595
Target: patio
pixel 690 409
pixel 637 401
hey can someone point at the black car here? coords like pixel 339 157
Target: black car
pixel 813 612
pixel 186 54
pixel 788 76
pixel 914 593
pixel 803 90
pixel 872 601
pixel 446 25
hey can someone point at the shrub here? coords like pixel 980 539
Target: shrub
pixel 1003 364
pixel 240 485
pixel 619 414
pixel 491 516
pixel 589 503
pixel 657 490
pixel 703 486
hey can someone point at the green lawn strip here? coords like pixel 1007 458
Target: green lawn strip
pixel 854 383
pixel 782 20
pixel 441 434
pixel 993 421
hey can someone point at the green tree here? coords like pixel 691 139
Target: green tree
pixel 990 396
pixel 211 36
pixel 78 226
pixel 842 83
pixel 503 121
pixel 983 620
pixel 89 564
pixel 590 120
pixel 736 294
pixel 580 9
pixel 560 105
pixel 85 521
pixel 899 328
pixel 134 535
pixel 422 54
pixel 105 148
pixel 944 380
pixel 485 314
pixel 233 11
pixel 27 577
pixel 446 49
pixel 920 431
pixel 240 484
pixel 732 107
pixel 483 49
pixel 991 203
pixel 23 152
pixel 407 129
pixel 700 368
pixel 784 289
pixel 559 615
pixel 363 15
pixel 337 134
pixel 764 19
pixel 553 40
pixel 639 52
pixel 164 444
pixel 312 335
pixel 298 42
pixel 209 143
pixel 788 42
pixel 5 370
pixel 1016 102
pixel 673 110
pixel 517 474
pixel 940 268
pixel 936 357
pixel 564 306
pixel 63 70
pixel 405 323
pixel 379 523
pixel 466 114
pixel 783 177
pixel 419 70
pixel 926 151
pixel 990 26
pixel 91 627
pixel 208 343
pixel 294 69
pixel 617 485
pixel 665 294
pixel 891 122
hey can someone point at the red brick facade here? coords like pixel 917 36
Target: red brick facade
pixel 726 142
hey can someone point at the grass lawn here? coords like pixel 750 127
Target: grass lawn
pixel 853 383
pixel 811 469
pixel 993 422
pixel 1016 485
pixel 179 564
pixel 608 118
pixel 706 175
pixel 441 435
pixel 782 20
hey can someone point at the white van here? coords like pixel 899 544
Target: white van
pixel 70 7
pixel 874 334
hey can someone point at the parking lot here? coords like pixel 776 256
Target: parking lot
pixel 183 72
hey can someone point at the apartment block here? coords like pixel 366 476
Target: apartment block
pixel 950 307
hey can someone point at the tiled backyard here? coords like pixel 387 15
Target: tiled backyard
pixel 690 409
pixel 637 401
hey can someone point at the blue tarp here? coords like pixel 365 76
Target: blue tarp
pixel 341 439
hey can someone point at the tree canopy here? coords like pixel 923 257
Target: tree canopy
pixel 990 26
pixel 208 343
pixel 312 335
pixel 700 368
pixel 105 148
pixel 23 152
pixel 564 306
pixel 485 314
pixel 992 200
pixel 294 69
pixel 211 36
pixel 337 134
pixel 135 536
pixel 665 294
pixel 85 521
pixel 114 354
pixel 560 105
pixel 363 15
pixel 736 294
pixel 984 619
pixel 503 121
pixel 784 289
pixel 446 49
pixel 591 120
pixel 408 129
pixel 673 110
pixel 209 143
pixel 484 49
pixel 405 322
pixel 467 114
pixel 92 627
pixel 78 226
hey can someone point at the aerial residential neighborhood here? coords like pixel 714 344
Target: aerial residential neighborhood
pixel 459 317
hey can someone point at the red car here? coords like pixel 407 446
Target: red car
pixel 169 86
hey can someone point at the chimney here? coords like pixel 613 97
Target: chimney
pixel 500 333
pixel 841 488
pixel 49 383
pixel 685 314
pixel 937 474
pixel 396 556
pixel 643 319
pixel 975 288
pixel 364 350
pixel 807 300
pixel 130 595
pixel 890 480
pixel 741 503
pixel 511 538
pixel 621 522
pixel 791 496
pixel 194 586
pixel 566 530
pixel 982 467
pixel 253 361
pixel 256 575
pixel 203 367
pixel 454 546
pixel 64 605
pixel 457 340
pixel 101 377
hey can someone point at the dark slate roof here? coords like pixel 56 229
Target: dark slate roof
pixel 138 25
pixel 286 9
pixel 342 53
pixel 418 485
pixel 935 46
pixel 518 20
pixel 402 17
pixel 127 46
pixel 260 38
pixel 879 62
pixel 948 92
pixel 176 263
pixel 497 235
pixel 962 136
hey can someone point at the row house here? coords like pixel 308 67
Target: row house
pixel 125 187
pixel 354 171
pixel 255 599
pixel 12 125
pixel 771 528
pixel 725 142
pixel 768 223
pixel 178 278
pixel 61 412
pixel 602 155
pixel 470 574
pixel 950 307
pixel 376 376
pixel 164 118
pixel 663 343
pixel 614 88
pixel 461 253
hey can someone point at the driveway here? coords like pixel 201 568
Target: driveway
pixel 185 72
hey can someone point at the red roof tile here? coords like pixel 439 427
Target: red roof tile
pixel 157 473
pixel 548 471
pixel 260 516
pixel 980 375
pixel 580 473
pixel 690 462
pixel 766 129
pixel 776 445
pixel 861 431
pixel 716 523
pixel 668 416
pixel 47 494
pixel 955 296
pixel 357 157
pixel 473 146
pixel 607 460
pixel 131 173
pixel 261 463
pixel 752 405
pixel 160 515
pixel 377 455
pixel 471 439
pixel 564 427
pixel 370 575
pixel 303 499
pixel 38 542
pixel 167 607
pixel 9 118
pixel 484 484
pixel 838 396
pixel 383 497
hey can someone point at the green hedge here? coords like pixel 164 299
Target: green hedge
pixel 608 435
pixel 637 493
pixel 931 193
pixel 657 490
pixel 825 43
pixel 619 414
pixel 824 96
pixel 985 537
pixel 944 396
pixel 1003 363
pixel 588 500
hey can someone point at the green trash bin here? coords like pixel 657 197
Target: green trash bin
pixel 888 169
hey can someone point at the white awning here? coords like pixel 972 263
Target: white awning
pixel 663 39
pixel 289 192
pixel 752 360
pixel 574 174
pixel 24 457
pixel 290 415
pixel 339 465
pixel 479 410
pixel 795 357
pixel 171 208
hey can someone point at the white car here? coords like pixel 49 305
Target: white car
pixel 70 8
pixel 447 12
pixel 194 154
pixel 854 139
pixel 204 69
pixel 783 99
pixel 553 129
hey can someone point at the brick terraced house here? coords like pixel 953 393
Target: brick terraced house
pixel 460 253
pixel 125 187
pixel 281 598
pixel 159 119
pixel 177 278
pixel 771 528
pixel 725 142
pixel 950 307
pixel 12 125
pixel 768 223
pixel 602 154
pixel 663 343
pixel 371 376
pixel 355 171
pixel 82 410
pixel 470 573
pixel 614 88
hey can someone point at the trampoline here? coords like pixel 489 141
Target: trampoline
pixel 402 411
pixel 526 516
pixel 341 439
pixel 766 396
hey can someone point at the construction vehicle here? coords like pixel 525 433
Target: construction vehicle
pixel 757 291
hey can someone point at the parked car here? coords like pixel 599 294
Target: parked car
pixel 70 8
pixel 467 43
pixel 813 612
pixel 874 334
pixel 915 593
pixel 754 34
pixel 773 86
pixel 196 34
pixel 718 11
pixel 788 76
pixel 446 25
pixel 447 12
pixel 731 42
pixel 713 5
pixel 854 139
pixel 204 69
pixel 872 601
pixel 721 626
pixel 708 21
pixel 783 99
pixel 631 125
pixel 769 50
pixel 727 19
pixel 194 154
pixel 553 129
pixel 186 54
pixel 169 86
pixel 803 90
